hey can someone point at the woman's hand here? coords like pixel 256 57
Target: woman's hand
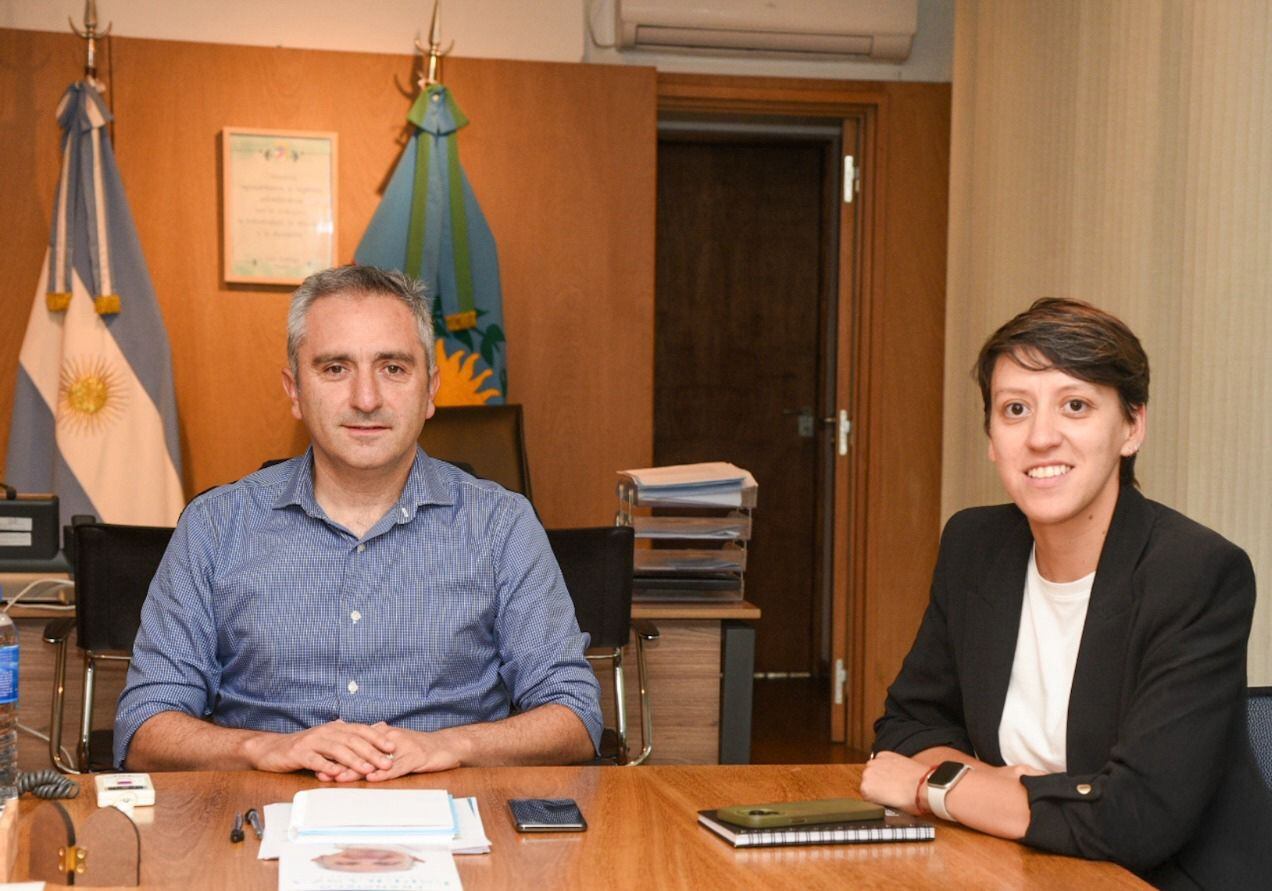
pixel 990 799
pixel 891 780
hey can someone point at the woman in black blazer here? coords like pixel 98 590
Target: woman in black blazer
pixel 1099 635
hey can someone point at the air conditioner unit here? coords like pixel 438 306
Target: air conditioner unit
pixel 878 29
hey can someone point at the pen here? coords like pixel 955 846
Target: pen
pixel 236 832
pixel 254 820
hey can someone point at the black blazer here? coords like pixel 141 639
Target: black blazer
pixel 1160 776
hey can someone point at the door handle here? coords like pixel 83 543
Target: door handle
pixel 803 421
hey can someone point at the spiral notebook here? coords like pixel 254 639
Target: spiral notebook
pixel 894 827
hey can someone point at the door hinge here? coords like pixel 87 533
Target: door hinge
pixel 852 178
pixel 843 431
pixel 841 678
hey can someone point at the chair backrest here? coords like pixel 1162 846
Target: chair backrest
pixel 488 438
pixel 113 568
pixel 1259 718
pixel 597 565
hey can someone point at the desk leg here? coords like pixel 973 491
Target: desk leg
pixel 737 659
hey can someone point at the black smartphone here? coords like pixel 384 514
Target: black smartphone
pixel 547 815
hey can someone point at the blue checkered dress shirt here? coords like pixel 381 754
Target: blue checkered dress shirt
pixel 267 615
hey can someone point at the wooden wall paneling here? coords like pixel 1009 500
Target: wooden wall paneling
pixel 569 177
pixel 900 344
pixel 561 157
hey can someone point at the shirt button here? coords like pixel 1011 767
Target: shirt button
pixel 361 548
pixel 1084 788
pixel 355 615
pixel 404 513
pixel 353 687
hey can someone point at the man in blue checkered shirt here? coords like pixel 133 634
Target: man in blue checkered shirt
pixel 362 611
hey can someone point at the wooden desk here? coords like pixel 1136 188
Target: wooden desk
pixel 642 835
pixel 700 679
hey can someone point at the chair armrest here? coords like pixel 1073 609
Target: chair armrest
pixel 58 630
pixel 645 628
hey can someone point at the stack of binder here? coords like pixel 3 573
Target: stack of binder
pixel 692 524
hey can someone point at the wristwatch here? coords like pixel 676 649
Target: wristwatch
pixel 939 784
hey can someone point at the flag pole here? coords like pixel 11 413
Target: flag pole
pixel 432 73
pixel 91 35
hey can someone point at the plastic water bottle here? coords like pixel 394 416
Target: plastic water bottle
pixel 8 708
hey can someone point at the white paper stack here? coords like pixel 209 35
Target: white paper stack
pixel 692 525
pixel 385 816
pixel 467 837
pixel 709 484
pixel 399 839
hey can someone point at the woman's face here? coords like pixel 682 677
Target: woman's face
pixel 1058 443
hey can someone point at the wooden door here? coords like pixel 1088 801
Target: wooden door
pixel 740 304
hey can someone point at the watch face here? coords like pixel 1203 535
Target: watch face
pixel 946 773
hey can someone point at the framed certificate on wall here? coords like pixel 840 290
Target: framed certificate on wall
pixel 278 204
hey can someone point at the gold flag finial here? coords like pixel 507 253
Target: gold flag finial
pixel 92 35
pixel 433 70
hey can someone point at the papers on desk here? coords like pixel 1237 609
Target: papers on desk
pixel 401 839
pixel 709 484
pixel 323 867
pixel 469 836
pixel 385 816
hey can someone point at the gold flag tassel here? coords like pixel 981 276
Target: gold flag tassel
pixel 57 301
pixel 105 304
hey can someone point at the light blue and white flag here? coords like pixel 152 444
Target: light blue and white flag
pixel 94 415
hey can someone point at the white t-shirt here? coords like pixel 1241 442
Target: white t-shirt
pixel 1036 713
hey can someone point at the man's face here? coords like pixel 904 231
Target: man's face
pixel 367 860
pixel 361 384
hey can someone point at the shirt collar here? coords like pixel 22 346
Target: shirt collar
pixel 424 485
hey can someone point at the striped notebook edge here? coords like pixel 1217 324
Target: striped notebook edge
pixel 895 827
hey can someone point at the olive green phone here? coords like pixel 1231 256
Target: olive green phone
pixel 800 813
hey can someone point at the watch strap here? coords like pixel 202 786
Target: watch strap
pixel 920 792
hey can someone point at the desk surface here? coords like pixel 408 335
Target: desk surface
pixel 643 834
pixel 671 609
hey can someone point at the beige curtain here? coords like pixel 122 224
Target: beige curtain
pixel 1120 151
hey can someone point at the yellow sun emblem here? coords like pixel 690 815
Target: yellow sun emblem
pixel 461 385
pixel 90 395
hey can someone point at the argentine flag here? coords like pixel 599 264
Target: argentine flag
pixel 94 415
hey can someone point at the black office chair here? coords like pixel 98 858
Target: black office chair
pixel 597 565
pixel 488 438
pixel 113 569
pixel 1259 718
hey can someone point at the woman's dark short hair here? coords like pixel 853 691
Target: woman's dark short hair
pixel 1078 339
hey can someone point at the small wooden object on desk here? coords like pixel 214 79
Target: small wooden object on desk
pixel 8 838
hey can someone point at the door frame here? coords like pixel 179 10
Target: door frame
pixel 877 531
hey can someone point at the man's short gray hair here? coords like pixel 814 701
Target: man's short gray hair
pixel 355 279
